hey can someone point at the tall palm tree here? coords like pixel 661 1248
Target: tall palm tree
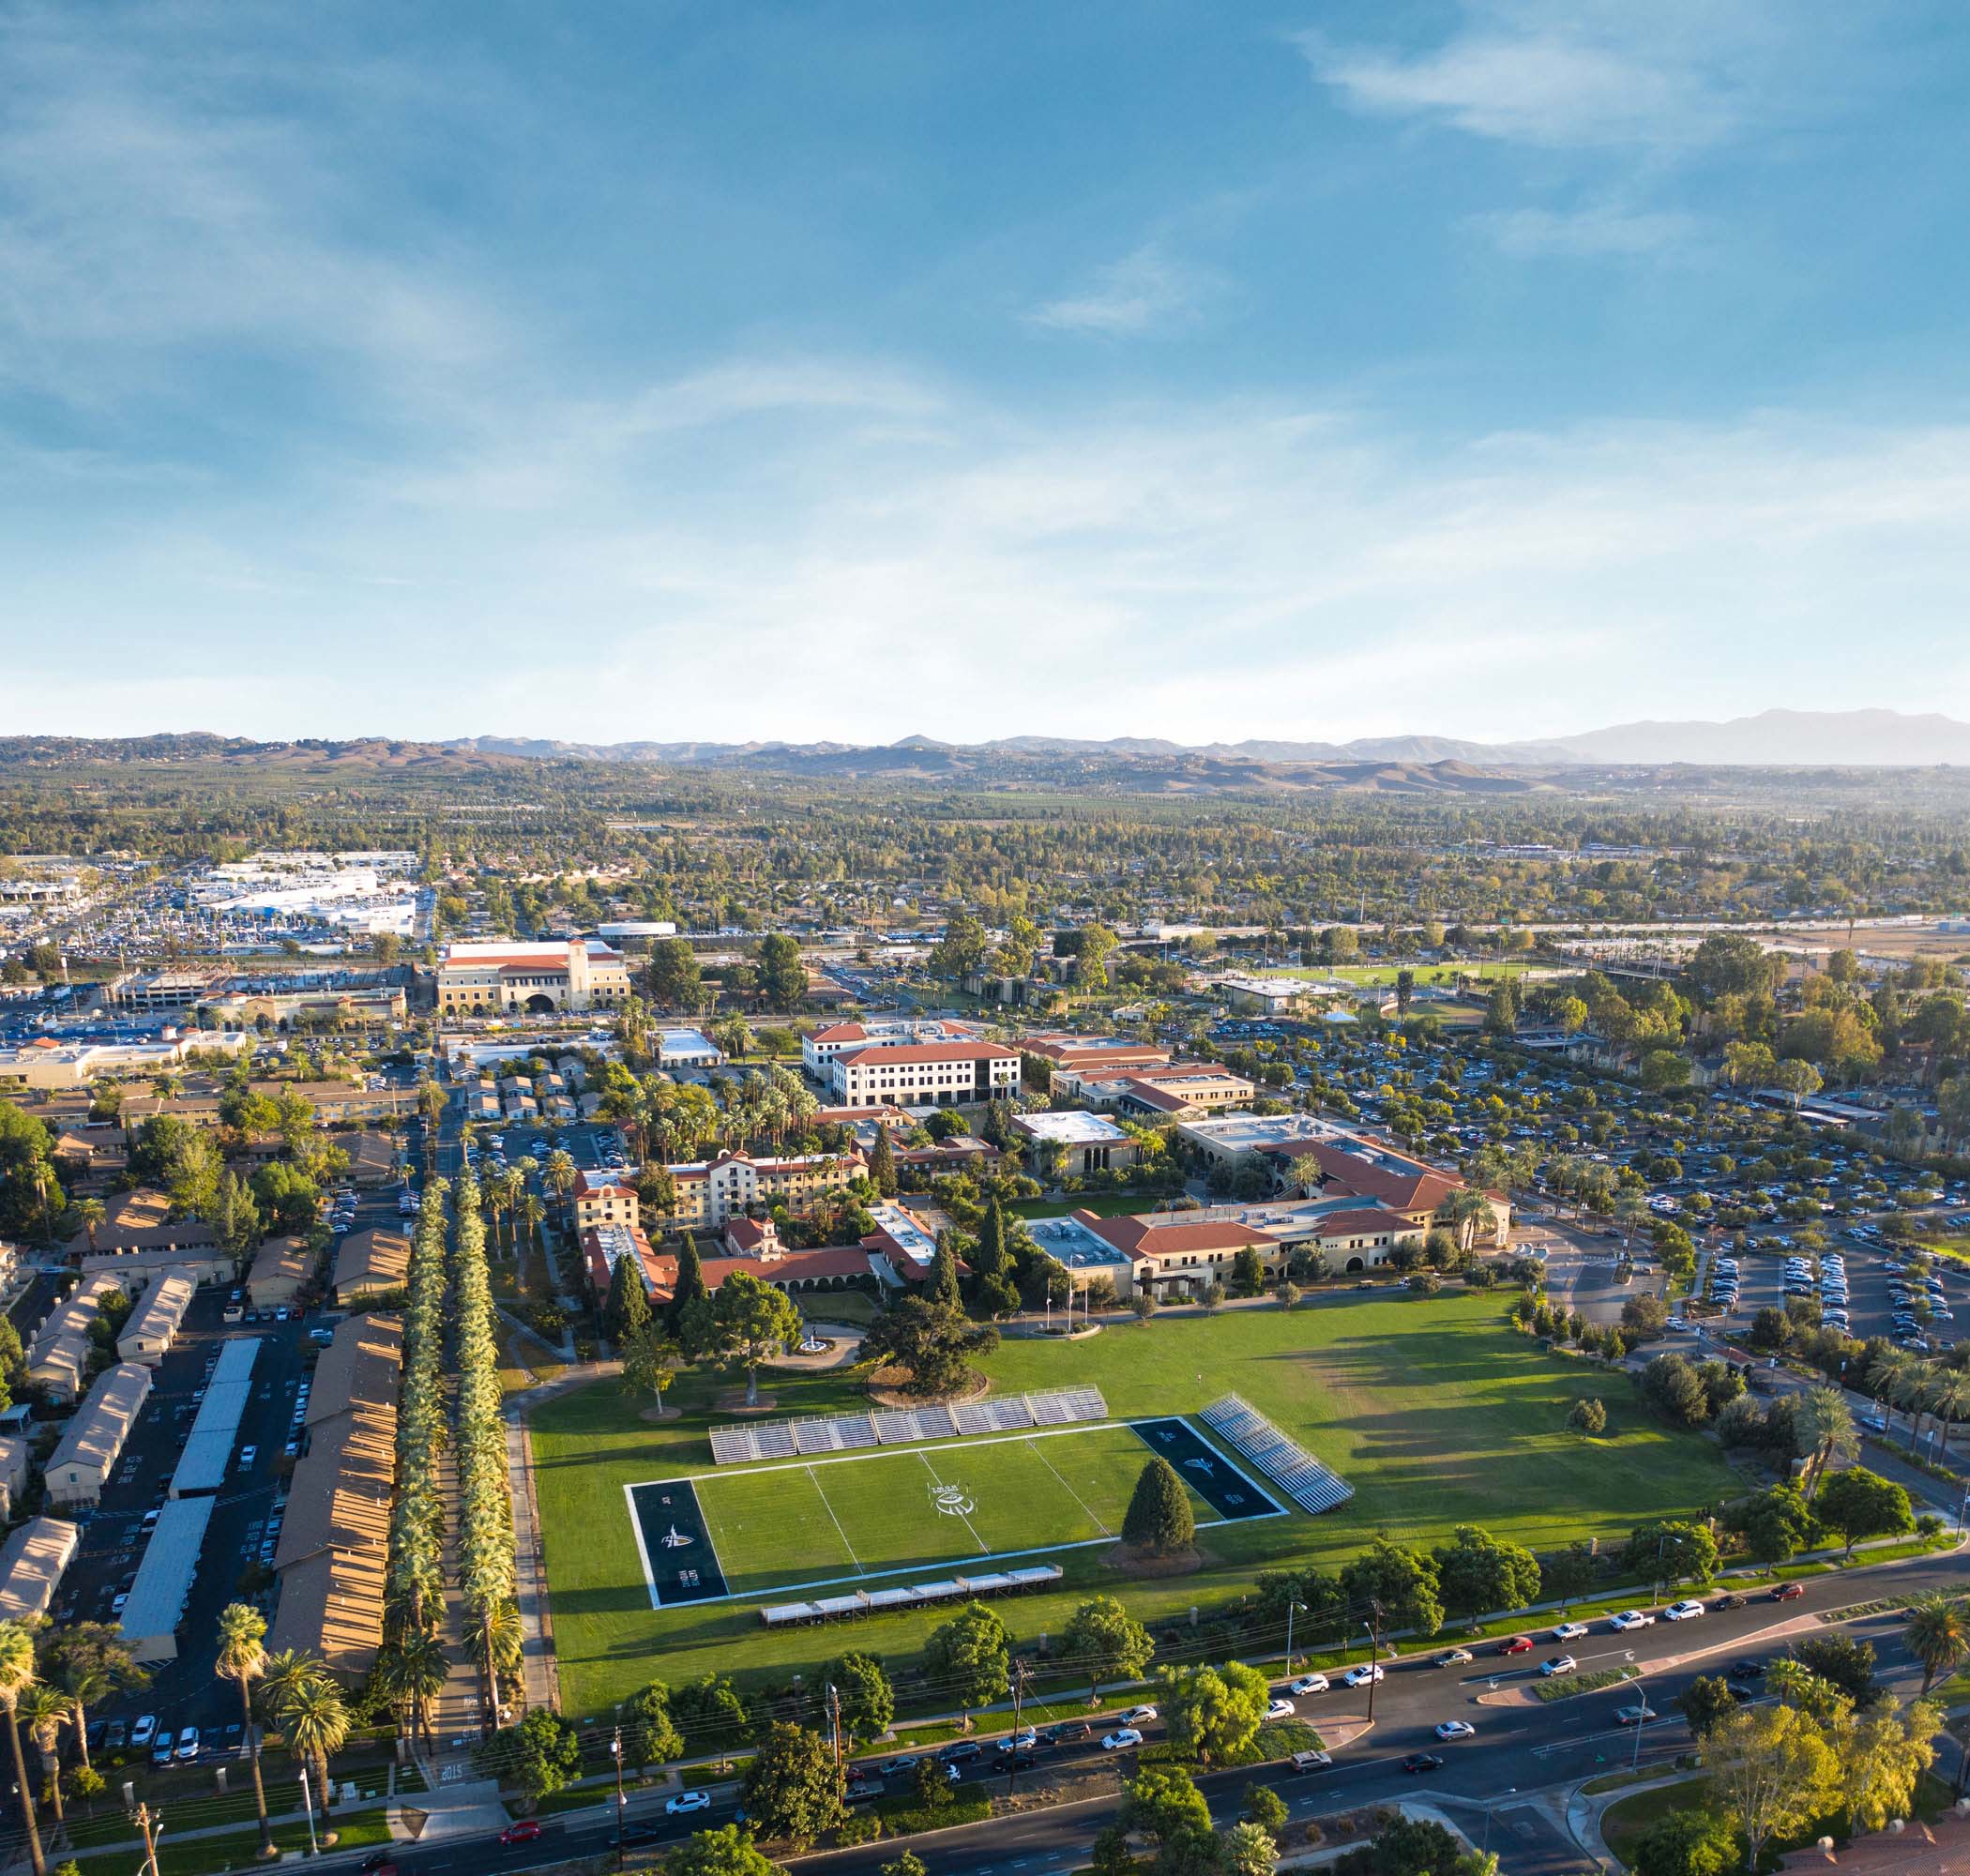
pixel 315 1722
pixel 44 1711
pixel 88 1662
pixel 242 1660
pixel 1828 1424
pixel 1937 1634
pixel 531 1212
pixel 412 1670
pixel 493 1635
pixel 92 1212
pixel 1952 1399
pixel 16 1676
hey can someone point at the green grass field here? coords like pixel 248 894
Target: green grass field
pixel 776 1526
pixel 1432 1408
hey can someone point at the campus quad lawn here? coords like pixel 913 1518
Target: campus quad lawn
pixel 1434 1409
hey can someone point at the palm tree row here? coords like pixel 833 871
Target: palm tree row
pixel 414 1587
pixel 1924 1389
pixel 488 1570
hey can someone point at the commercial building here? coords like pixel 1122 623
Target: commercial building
pixel 709 1191
pixel 153 1325
pixel 159 1596
pixel 1263 996
pixel 604 1199
pixel 1181 1091
pixel 334 1543
pixel 924 1074
pixel 92 1443
pixel 209 1450
pixel 1078 1143
pixel 533 976
pixel 281 1272
pixel 688 1049
pixel 369 1264
pixel 32 1563
pixel 819 1047
pixel 1114 1052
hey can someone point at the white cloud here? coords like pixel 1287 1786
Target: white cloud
pixel 1601 231
pixel 1148 290
pixel 1578 73
pixel 1196 572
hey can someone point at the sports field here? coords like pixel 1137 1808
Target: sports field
pixel 794 1525
pixel 1433 1408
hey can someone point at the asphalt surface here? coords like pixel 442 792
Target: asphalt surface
pixel 1518 1749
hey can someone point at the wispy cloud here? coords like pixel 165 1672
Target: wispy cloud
pixel 1600 231
pixel 1148 290
pixel 1573 73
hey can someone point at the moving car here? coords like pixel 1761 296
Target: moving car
pixel 1361 1677
pixel 1631 1618
pixel 1571 1631
pixel 1456 1728
pixel 1279 1709
pixel 1307 1684
pixel 1139 1715
pixel 1788 1591
pixel 1422 1762
pixel 1682 1611
pixel 962 1751
pixel 1122 1736
pixel 686 1801
pixel 1311 1762
pixel 525 1830
pixel 1560 1664
pixel 1633 1716
pixel 377 1863
pixel 1517 1644
pixel 1023 1741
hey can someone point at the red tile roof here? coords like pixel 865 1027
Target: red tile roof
pixel 1402 1185
pixel 1167 1234
pixel 901 1053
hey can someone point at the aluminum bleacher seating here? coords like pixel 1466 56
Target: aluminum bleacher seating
pixel 902 1425
pixel 1303 1478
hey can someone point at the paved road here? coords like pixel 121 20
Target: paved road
pixel 1518 1749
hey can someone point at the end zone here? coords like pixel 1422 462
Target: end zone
pixel 679 1562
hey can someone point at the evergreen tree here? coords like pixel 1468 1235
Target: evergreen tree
pixel 690 1289
pixel 1159 1518
pixel 627 1309
pixel 942 1286
pixel 882 1162
pixel 991 1257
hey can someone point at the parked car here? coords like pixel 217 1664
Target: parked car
pixel 116 1736
pixel 147 1726
pixel 187 1745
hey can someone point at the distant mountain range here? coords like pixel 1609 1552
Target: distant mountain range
pixel 1771 739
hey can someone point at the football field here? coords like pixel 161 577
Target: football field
pixel 800 1524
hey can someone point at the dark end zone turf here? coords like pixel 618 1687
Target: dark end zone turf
pixel 677 1555
pixel 1207 1472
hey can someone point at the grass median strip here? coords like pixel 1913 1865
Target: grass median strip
pixel 1565 1686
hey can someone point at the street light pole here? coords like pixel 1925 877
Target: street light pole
pixel 615 1749
pixel 1374 1654
pixel 1290 1606
pixel 314 1849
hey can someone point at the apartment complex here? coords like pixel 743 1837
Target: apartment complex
pixel 92 1443
pixel 530 978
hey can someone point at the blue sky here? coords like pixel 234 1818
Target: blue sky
pixel 1489 367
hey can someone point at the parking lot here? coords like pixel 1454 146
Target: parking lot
pixel 1870 1308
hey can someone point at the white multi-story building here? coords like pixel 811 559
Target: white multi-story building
pixel 531 976
pixel 924 1074
pixel 819 1048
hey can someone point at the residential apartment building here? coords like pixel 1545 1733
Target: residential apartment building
pixel 32 1565
pixel 531 976
pixel 924 1074
pixel 92 1443
pixel 153 1326
pixel 709 1191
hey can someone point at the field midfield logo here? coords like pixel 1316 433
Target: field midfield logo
pixel 1203 1465
pixel 674 1539
pixel 953 1501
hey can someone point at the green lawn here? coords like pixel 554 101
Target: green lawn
pixel 1435 1410
pixel 1626 1819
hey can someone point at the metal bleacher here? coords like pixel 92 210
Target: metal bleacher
pixel 1301 1477
pixel 904 1426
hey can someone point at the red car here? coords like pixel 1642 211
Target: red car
pixel 1519 1644
pixel 1787 1592
pixel 527 1831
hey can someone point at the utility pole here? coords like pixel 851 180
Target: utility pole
pixel 616 1748
pixel 1019 1695
pixel 1374 1654
pixel 144 1821
pixel 834 1721
pixel 1291 1607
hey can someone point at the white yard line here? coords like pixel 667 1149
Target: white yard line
pixel 984 1549
pixel 845 1543
pixel 1072 1493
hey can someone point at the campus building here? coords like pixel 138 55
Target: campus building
pixel 1178 1090
pixel 924 1074
pixel 604 1199
pixel 709 1191
pixel 530 978
pixel 819 1049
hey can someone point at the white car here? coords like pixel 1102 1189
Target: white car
pixel 1560 1664
pixel 1024 1740
pixel 1456 1729
pixel 1279 1709
pixel 1119 1739
pixel 686 1801
pixel 1139 1715
pixel 1631 1618
pixel 1683 1612
pixel 1361 1677
pixel 1307 1684
pixel 1571 1631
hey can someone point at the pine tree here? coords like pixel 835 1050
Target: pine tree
pixel 1159 1518
pixel 882 1162
pixel 942 1286
pixel 690 1285
pixel 992 1257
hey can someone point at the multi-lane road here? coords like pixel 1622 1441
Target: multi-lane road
pixel 1521 1745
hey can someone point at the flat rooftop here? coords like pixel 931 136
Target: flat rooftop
pixel 1070 1241
pixel 208 1451
pixel 902 1230
pixel 165 1578
pixel 1248 1132
pixel 1072 1128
